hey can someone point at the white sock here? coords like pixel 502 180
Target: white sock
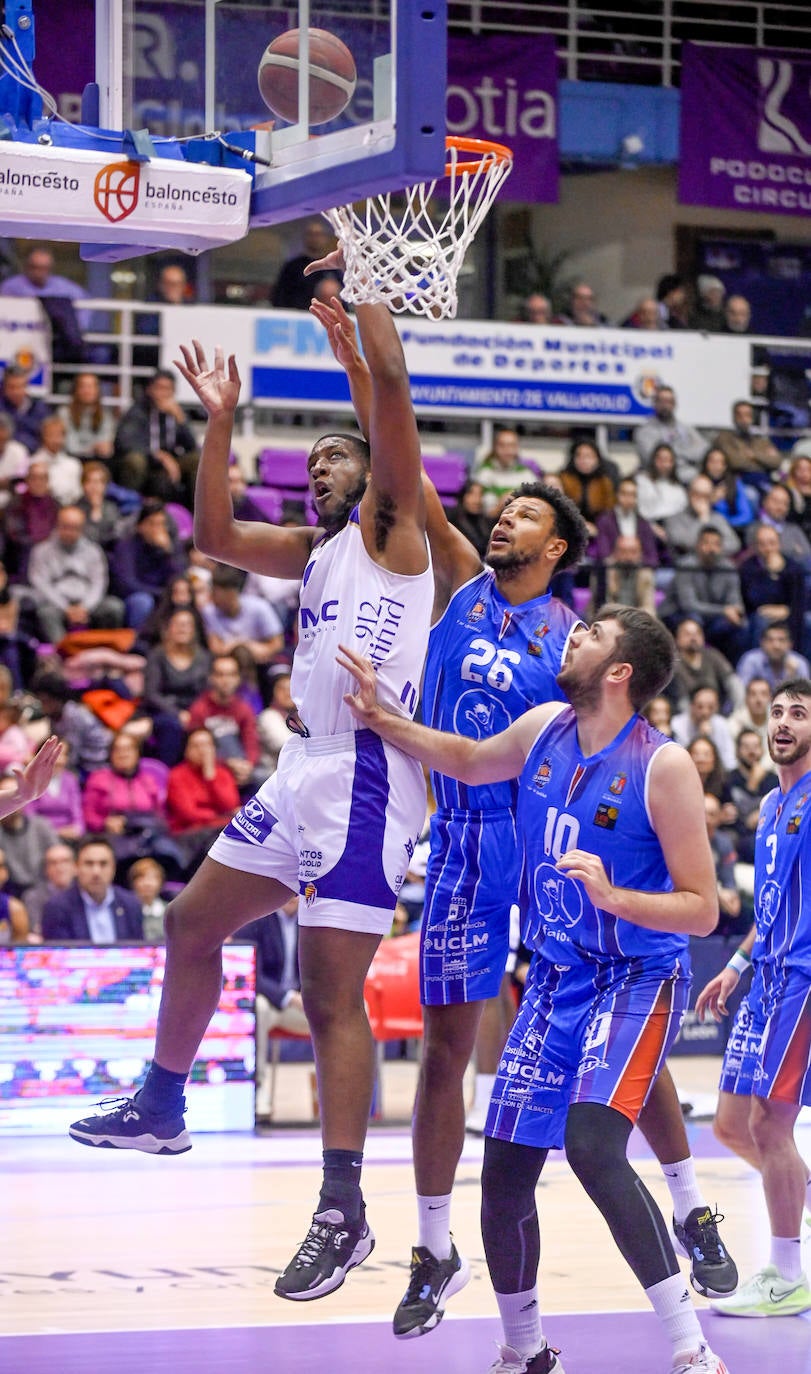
pixel 434 1223
pixel 787 1256
pixel 670 1300
pixel 521 1320
pixel 482 1092
pixel 684 1190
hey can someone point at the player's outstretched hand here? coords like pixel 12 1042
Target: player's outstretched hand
pixel 217 388
pixel 341 332
pixel 26 784
pixel 590 871
pixel 713 997
pixel 333 262
pixel 363 703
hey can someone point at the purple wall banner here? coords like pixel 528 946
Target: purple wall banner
pixel 506 90
pixel 746 129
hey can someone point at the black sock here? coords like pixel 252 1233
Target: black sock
pixel 340 1188
pixel 162 1093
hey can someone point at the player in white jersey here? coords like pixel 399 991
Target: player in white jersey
pixel 766 1077
pixel 338 821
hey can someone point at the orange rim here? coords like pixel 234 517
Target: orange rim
pixel 479 146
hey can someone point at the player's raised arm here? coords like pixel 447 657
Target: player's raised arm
pixel 472 761
pixel 26 784
pixel 250 545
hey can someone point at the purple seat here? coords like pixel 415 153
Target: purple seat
pixel 283 468
pixel 447 471
pixel 183 519
pixel 268 501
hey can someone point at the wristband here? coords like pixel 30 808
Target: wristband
pixel 739 961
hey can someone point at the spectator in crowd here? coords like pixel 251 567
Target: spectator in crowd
pixel 61 802
pixel 272 722
pixel 587 480
pixel 623 577
pixel 201 797
pixel 18 646
pixel 748 452
pixel 700 665
pixel 708 764
pixel 25 412
pixel 753 714
pixel 703 717
pixel 278 992
pixel 14 921
pixel 729 496
pixel 15 746
pixel 737 315
pixel 582 308
pixel 772 586
pixel 745 787
pixel 660 494
pixel 126 802
pixel 724 855
pixel 775 660
pixel 142 563
pixel 172 288
pixel 89 426
pixel 64 472
pixel 708 315
pixel 59 867
pixel 177 594
pixel 502 470
pixel 624 519
pixel 659 714
pixel 234 619
pixel 671 294
pixel 645 315
pixel 470 517
pixel 244 509
pixel 536 309
pixel 707 588
pixel 155 451
pixel 25 838
pixel 775 510
pixel 87 739
pixel 228 718
pixel 663 428
pixel 68 573
pixel 30 517
pixel 38 279
pixel 294 291
pixel 798 485
pixel 93 908
pixel 102 515
pixel 683 530
pixel 14 460
pixel 146 879
pixel 176 674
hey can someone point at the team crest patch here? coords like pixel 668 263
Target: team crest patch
pixel 533 649
pixel 477 612
pixel 793 823
pixel 606 816
pixel 617 784
pixel 540 631
pixel 310 893
pixel 544 773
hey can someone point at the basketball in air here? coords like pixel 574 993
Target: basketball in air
pixel 332 76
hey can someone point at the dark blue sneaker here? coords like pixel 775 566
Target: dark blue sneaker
pixel 123 1125
pixel 431 1283
pixel 712 1269
pixel 331 1247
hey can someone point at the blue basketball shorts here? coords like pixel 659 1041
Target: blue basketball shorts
pixel 768 1053
pixel 596 1033
pixel 337 823
pixel 471 881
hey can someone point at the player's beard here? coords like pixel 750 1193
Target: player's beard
pixel 786 760
pixel 339 515
pixel 584 690
pixel 509 564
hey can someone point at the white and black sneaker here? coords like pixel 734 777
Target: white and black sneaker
pixel 432 1282
pixel 123 1124
pixel 331 1247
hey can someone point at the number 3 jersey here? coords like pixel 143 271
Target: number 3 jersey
pixel 489 662
pixel 783 879
pixel 598 804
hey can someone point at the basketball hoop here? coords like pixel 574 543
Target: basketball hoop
pixel 399 254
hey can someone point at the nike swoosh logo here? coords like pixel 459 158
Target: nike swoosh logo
pixel 440 1207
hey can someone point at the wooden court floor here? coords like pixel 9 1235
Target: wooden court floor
pixel 121 1243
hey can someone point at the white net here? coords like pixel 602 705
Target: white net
pixel 406 248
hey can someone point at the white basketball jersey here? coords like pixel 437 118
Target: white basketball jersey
pixel 347 598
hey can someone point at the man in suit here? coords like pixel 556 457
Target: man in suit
pixel 278 991
pixel 93 909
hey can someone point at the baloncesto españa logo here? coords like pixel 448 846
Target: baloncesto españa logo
pixel 116 189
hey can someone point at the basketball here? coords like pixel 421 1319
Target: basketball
pixel 332 76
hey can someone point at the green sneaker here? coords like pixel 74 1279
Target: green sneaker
pixel 767 1295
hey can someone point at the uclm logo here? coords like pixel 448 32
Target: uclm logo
pixel 116 189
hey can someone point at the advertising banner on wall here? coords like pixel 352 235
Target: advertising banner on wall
pixel 746 129
pixel 483 368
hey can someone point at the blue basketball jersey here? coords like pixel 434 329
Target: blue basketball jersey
pixel 598 804
pixel 783 879
pixel 489 662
